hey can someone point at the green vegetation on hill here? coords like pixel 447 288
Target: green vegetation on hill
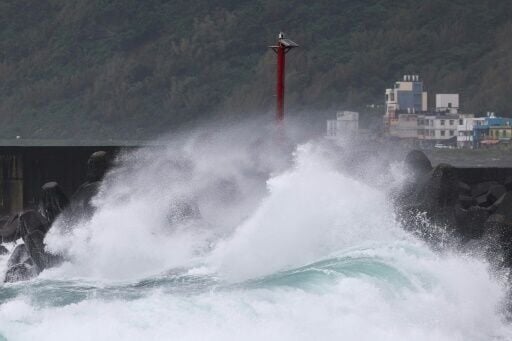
pixel 127 68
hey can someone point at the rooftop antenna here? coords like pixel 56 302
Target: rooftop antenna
pixel 282 47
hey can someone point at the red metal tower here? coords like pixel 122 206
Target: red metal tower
pixel 281 49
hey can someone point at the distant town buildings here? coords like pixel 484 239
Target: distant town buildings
pixel 408 117
pixel 346 125
pixel 492 130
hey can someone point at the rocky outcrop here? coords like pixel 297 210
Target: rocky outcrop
pixel 418 163
pixel 97 166
pixel 20 272
pixel 469 204
pixel 30 258
pixel 53 201
pixel 20 266
pixel 9 229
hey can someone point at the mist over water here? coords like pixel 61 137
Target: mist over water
pixel 250 233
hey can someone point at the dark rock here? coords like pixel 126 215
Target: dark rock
pixel 437 203
pixel 97 166
pixel 504 207
pixel 482 188
pixel 428 202
pixel 439 188
pixel 498 232
pixel 18 256
pixel 3 250
pixel 32 228
pixel 466 201
pixel 495 192
pixel 31 221
pixel 52 201
pixel 51 204
pixel 30 258
pixel 9 229
pixel 35 247
pixel 464 188
pixel 406 194
pixel 81 201
pixel 483 201
pixel 494 207
pixel 418 163
pixel 20 266
pixel 470 222
pixel 508 183
pixel 20 272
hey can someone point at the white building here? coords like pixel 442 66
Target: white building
pixel 345 125
pixel 465 130
pixel 448 103
pixel 438 127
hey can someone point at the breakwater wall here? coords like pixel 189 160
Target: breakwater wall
pixel 472 205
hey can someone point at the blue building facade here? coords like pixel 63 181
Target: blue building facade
pixel 481 131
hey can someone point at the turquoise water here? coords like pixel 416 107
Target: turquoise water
pixel 396 291
pixel 305 253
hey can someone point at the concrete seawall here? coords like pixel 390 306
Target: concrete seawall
pixel 474 175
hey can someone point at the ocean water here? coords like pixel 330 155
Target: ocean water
pixel 279 244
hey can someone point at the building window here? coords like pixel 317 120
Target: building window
pixel 452 132
pixel 461 122
pixel 442 122
pixel 443 132
pixel 431 122
pixel 451 122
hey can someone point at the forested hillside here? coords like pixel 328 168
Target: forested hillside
pixel 129 68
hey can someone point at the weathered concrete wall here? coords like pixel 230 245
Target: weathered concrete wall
pixel 475 175
pixel 23 170
pixel 11 179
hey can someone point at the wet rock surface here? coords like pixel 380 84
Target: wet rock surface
pixel 475 212
pixel 81 201
pixel 20 272
pixel 31 226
